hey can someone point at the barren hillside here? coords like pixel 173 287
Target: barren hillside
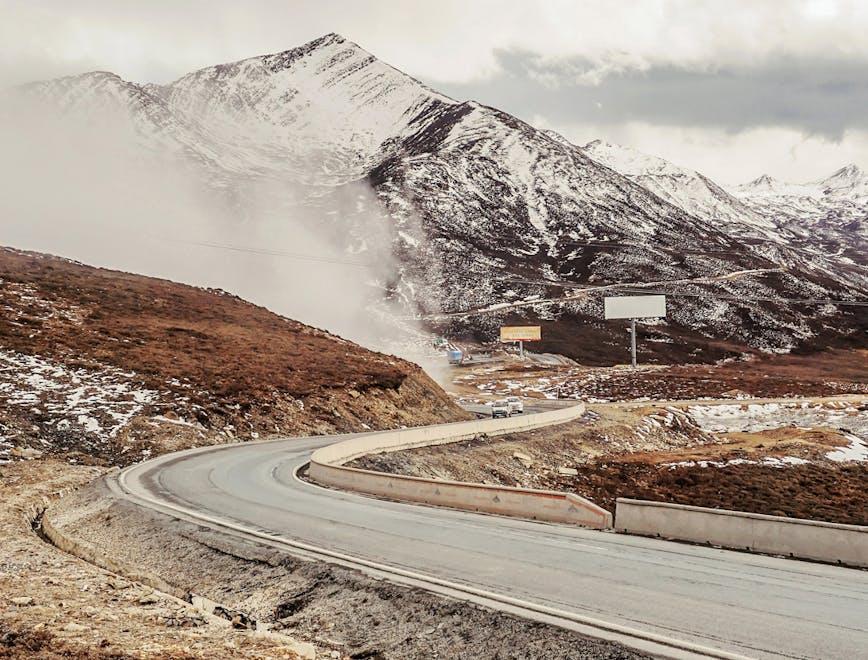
pixel 110 366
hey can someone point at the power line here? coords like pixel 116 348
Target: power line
pixel 591 287
pixel 276 253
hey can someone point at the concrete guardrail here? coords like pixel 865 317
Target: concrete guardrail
pixel 327 467
pixel 777 535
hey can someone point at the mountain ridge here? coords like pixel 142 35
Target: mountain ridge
pixel 483 208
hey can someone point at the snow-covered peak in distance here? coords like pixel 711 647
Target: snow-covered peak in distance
pixel 768 186
pixel 849 180
pixel 851 172
pixel 329 100
pixel 632 162
pixel 764 182
pixel 833 209
pixel 680 186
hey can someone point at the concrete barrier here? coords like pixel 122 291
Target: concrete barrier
pixel 327 467
pixel 777 535
pixel 424 436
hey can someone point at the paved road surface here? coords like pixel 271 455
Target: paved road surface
pixel 746 604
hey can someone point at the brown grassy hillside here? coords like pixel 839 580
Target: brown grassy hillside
pixel 88 353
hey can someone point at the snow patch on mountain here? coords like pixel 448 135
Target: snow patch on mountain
pixel 683 187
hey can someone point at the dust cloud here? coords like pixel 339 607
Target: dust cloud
pixel 92 188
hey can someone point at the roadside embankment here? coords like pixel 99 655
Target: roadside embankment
pixel 56 606
pixel 342 612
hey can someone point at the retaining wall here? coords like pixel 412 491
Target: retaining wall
pixel 794 537
pixel 327 467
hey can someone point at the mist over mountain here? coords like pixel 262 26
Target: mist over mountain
pixel 371 200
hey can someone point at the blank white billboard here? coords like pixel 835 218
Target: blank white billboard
pixel 635 307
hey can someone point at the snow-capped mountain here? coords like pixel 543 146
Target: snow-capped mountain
pixel 830 214
pixel 483 210
pixel 327 111
pixel 682 187
pixel 845 191
pixel 850 181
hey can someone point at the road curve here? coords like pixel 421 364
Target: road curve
pixel 737 603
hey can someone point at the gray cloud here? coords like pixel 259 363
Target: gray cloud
pixel 816 97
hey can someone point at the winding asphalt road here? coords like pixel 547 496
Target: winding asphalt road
pixel 744 604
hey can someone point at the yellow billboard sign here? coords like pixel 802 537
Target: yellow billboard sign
pixel 520 333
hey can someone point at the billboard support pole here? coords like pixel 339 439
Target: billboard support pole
pixel 633 342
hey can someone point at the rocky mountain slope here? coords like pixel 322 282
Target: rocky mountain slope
pixel 110 367
pixel 682 187
pixel 488 219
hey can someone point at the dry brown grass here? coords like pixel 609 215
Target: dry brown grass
pixel 163 330
pixel 835 493
pixel 234 369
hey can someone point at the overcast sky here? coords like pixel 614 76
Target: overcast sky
pixel 731 89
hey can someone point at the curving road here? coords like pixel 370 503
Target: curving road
pixel 732 602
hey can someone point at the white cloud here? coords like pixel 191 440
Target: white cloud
pixel 451 40
pixel 731 158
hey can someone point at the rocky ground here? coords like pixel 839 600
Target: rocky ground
pixel 752 375
pixel 798 459
pixel 53 605
pixel 342 612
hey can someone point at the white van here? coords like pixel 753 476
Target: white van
pixel 501 408
pixel 515 404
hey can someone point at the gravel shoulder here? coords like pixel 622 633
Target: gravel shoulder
pixel 344 613
pixel 54 605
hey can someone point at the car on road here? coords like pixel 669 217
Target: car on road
pixel 515 404
pixel 501 408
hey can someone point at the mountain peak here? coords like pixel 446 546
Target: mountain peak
pixel 333 36
pixel 330 39
pixel 850 171
pixel 627 160
pixel 763 180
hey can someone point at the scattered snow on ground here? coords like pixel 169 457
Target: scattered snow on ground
pixel 730 418
pixel 857 450
pixel 91 400
pixel 773 461
pixel 176 422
